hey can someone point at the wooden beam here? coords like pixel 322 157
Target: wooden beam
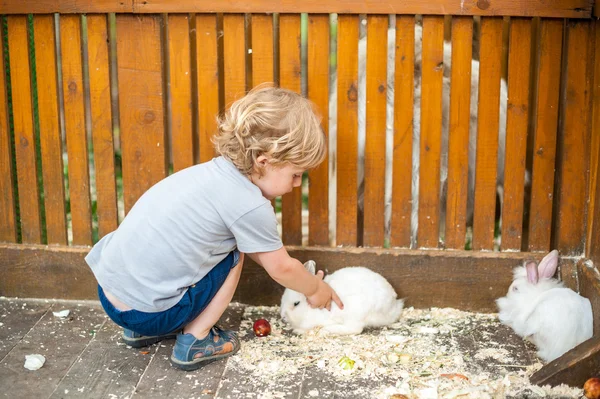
pixel 573 368
pixel 592 246
pixel 464 280
pixel 64 6
pixel 523 8
pixel 589 287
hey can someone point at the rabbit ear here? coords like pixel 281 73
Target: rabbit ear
pixel 311 266
pixel 548 265
pixel 532 272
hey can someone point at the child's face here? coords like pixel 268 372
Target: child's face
pixel 277 181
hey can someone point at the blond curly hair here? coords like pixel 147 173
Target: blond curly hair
pixel 275 122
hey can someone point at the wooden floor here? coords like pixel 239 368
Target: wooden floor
pixel 85 358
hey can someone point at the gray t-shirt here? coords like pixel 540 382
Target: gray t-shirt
pixel 179 230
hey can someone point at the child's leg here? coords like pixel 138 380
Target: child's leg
pixel 200 326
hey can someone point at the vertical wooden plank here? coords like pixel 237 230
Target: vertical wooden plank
pixel 262 49
pixel 234 57
pixel 318 92
pixel 574 141
pixel 592 247
pixel 102 133
pixel 519 63
pixel 544 148
pixel 208 82
pixel 263 61
pixel 290 70
pixel 458 134
pixel 347 130
pixel 140 104
pixel 400 234
pixel 24 135
pixel 180 91
pixel 431 131
pixel 50 134
pixel 486 164
pixel 374 220
pixel 8 223
pixel 77 145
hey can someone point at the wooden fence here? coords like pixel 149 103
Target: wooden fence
pixel 100 99
pixel 119 94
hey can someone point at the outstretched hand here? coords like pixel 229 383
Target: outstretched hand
pixel 324 295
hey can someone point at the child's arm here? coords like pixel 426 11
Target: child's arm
pixel 290 273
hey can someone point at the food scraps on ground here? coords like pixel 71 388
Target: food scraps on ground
pixel 261 328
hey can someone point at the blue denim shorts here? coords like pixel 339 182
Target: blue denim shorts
pixel 194 301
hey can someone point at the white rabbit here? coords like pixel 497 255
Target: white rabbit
pixel 540 308
pixel 369 301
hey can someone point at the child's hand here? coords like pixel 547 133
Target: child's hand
pixel 324 295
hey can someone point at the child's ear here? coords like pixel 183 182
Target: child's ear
pixel 262 161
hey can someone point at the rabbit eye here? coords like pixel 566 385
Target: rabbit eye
pixel 515 288
pixel 296 303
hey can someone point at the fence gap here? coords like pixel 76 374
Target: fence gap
pixel 332 126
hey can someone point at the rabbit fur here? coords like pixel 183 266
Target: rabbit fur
pixel 369 301
pixel 542 309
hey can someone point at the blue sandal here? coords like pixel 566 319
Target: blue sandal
pixel 136 340
pixel 190 353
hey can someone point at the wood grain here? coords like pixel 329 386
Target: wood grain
pixel 318 92
pixel 75 130
pixel 102 119
pixel 573 156
pixel 290 74
pixel 180 91
pixel 234 57
pixel 376 79
pixel 517 110
pixel 60 341
pixel 8 222
pixel 528 8
pixel 592 247
pixel 208 82
pixel 486 164
pixel 545 134
pixel 50 134
pixel 458 134
pixel 141 104
pixel 431 132
pixel 400 232
pixel 263 66
pixel 347 134
pixel 24 137
pixel 464 280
